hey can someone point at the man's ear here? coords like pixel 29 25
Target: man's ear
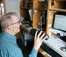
pixel 9 27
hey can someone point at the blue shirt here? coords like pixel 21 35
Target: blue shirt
pixel 9 47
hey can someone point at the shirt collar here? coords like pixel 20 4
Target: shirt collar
pixel 9 36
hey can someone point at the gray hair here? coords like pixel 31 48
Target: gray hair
pixel 7 19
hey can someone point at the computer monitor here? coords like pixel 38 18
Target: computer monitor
pixel 59 22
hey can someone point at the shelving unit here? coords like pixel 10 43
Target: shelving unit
pixel 25 6
pixel 35 5
pixel 54 6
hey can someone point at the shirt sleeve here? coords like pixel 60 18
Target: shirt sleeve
pixel 33 53
pixel 3 52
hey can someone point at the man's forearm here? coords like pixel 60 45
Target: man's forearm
pixel 33 53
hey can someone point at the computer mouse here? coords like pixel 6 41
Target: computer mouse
pixel 63 49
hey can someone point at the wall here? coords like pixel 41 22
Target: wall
pixel 13 6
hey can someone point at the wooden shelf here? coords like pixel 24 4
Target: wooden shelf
pixel 26 8
pixel 29 1
pixel 60 0
pixel 41 0
pixel 57 9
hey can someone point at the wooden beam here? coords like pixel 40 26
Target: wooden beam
pixel 45 54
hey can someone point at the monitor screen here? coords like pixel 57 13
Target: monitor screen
pixel 59 22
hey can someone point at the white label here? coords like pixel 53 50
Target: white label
pixel 49 25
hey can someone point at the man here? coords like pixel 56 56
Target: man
pixel 10 24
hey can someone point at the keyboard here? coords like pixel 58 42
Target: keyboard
pixel 56 44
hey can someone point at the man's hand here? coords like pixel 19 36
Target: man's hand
pixel 38 40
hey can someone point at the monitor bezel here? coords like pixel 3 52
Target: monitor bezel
pixel 59 13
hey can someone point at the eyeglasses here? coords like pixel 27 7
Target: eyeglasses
pixel 16 22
